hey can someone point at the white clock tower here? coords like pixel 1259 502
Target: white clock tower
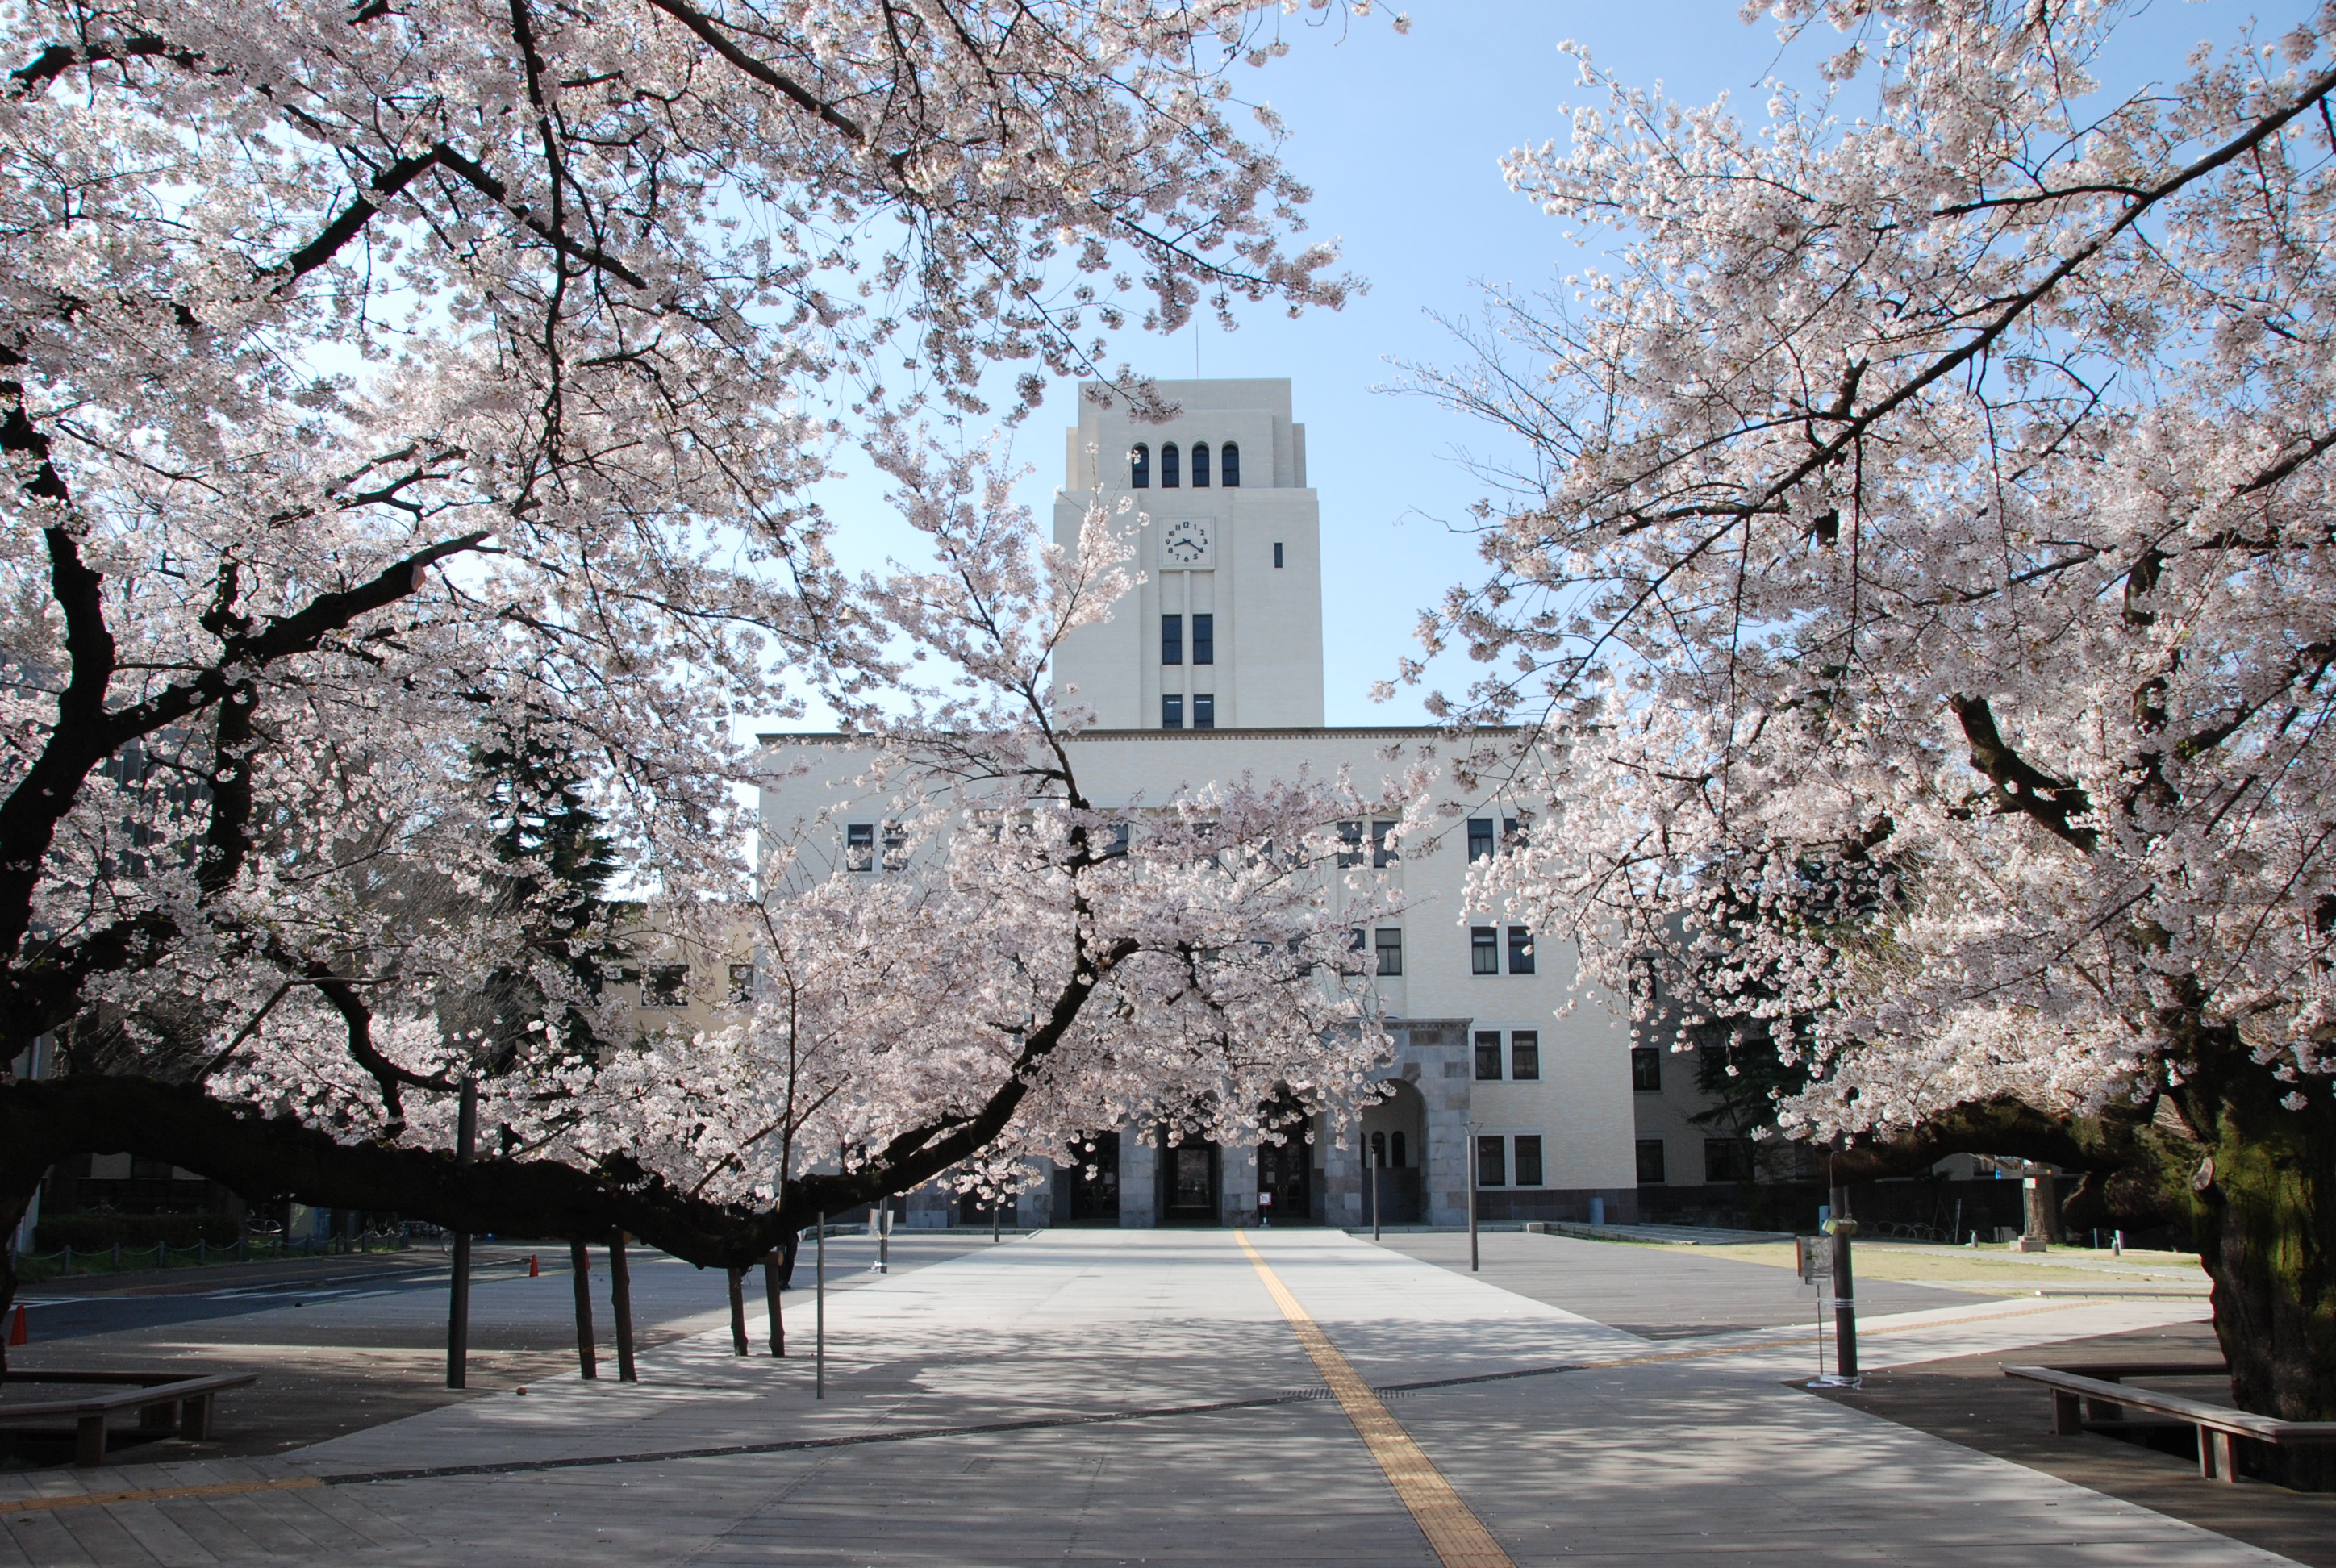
pixel 1226 630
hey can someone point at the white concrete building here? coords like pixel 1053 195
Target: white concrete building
pixel 1212 668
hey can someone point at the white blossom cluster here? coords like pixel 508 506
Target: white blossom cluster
pixel 1182 962
pixel 1925 570
pixel 386 386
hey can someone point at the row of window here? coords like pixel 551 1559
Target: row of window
pixel 1172 466
pixel 1384 851
pixel 860 839
pixel 860 847
pixel 1484 951
pixel 1204 710
pixel 1524 1055
pixel 667 985
pixel 1386 945
pixel 1500 1158
pixel 1724 1160
pixel 1172 639
pixel 1479 836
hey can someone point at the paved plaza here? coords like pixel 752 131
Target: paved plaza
pixel 1290 1397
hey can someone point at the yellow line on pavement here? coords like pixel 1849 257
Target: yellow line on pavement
pixel 1457 1535
pixel 155 1495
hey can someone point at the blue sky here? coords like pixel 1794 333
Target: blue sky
pixel 1401 137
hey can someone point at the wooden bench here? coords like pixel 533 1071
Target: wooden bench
pixel 2219 1427
pixel 165 1401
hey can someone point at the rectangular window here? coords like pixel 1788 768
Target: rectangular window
pixel 1204 710
pixel 1646 1070
pixel 1529 1159
pixel 1489 1055
pixel 1350 844
pixel 1171 711
pixel 1383 853
pixel 1172 639
pixel 1116 845
pixel 742 982
pixel 1520 953
pixel 666 986
pixel 1277 555
pixel 1483 950
pixel 1512 834
pixel 1390 950
pixel 896 847
pixel 1480 839
pixel 859 846
pixel 1492 1162
pixel 1727 1160
pixel 1524 1056
pixel 1205 640
pixel 1650 1162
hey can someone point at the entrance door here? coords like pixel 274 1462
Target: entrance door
pixel 1191 1195
pixel 1285 1182
pixel 1093 1182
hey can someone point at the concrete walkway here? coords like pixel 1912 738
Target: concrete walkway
pixel 1125 1397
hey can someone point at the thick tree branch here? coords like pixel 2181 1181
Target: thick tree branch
pixel 706 28
pixel 266 1157
pixel 87 733
pixel 59 58
pixel 2021 788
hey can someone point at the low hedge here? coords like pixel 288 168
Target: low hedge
pixel 96 1232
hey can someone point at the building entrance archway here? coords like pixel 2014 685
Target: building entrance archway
pixel 1087 1193
pixel 1395 1141
pixel 1285 1170
pixel 1191 1181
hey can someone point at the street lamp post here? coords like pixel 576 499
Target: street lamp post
pixel 1844 1291
pixel 1468 1152
pixel 1373 1162
pixel 458 1297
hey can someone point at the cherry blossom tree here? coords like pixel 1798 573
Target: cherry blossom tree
pixel 1034 966
pixel 386 385
pixel 1920 583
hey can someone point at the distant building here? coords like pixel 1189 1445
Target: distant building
pixel 1214 668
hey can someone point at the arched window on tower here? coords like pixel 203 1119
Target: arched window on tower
pixel 1200 465
pixel 1397 1141
pixel 1169 477
pixel 1230 464
pixel 1139 466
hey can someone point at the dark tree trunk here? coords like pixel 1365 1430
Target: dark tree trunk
pixel 579 1279
pixel 2263 1196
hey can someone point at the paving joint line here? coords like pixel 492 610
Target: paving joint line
pixel 919 1434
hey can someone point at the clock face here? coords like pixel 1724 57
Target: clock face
pixel 1185 544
